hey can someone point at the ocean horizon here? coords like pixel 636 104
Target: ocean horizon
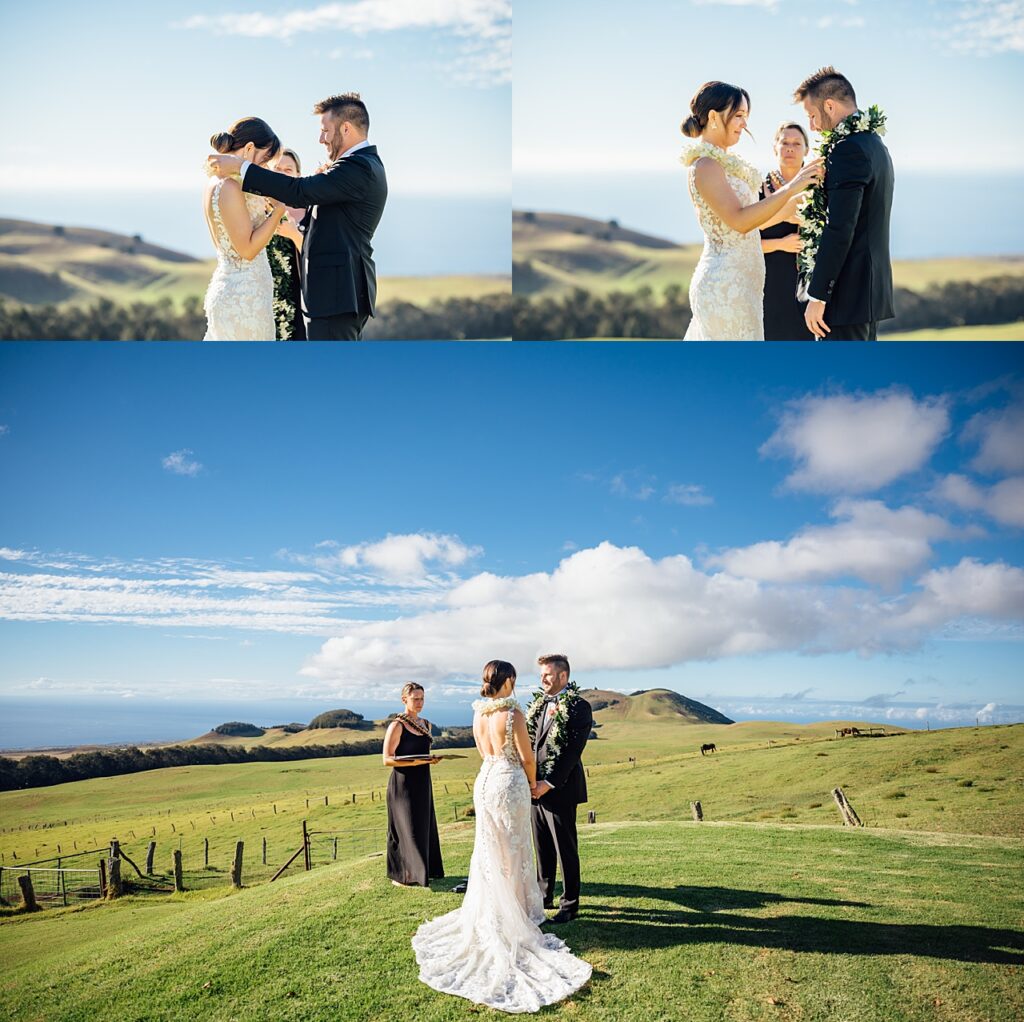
pixel 657 203
pixel 35 723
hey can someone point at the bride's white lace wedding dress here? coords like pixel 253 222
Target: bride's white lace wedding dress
pixel 491 950
pixel 727 287
pixel 239 302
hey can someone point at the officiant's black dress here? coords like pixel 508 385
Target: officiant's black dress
pixel 783 314
pixel 414 851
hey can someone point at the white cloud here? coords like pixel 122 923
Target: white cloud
pixel 999 435
pixel 855 443
pixel 985 27
pixel 182 463
pixel 688 494
pixel 870 542
pixel 1004 501
pixel 767 4
pixel 405 558
pixel 484 28
pixel 616 608
pixel 829 22
pixel 634 485
pixel 4 430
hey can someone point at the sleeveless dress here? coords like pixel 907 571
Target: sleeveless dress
pixel 239 302
pixel 727 287
pixel 414 850
pixel 783 314
pixel 491 950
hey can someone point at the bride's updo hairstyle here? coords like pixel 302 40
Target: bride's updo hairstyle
pixel 718 96
pixel 241 133
pixel 496 673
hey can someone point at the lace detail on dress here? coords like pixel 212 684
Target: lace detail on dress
pixel 491 950
pixel 727 287
pixel 239 302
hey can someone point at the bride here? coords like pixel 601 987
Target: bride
pixel 727 287
pixel 239 302
pixel 491 950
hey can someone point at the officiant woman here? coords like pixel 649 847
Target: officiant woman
pixel 780 242
pixel 414 851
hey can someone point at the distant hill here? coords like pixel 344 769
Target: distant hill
pixel 656 704
pixel 554 252
pixel 43 264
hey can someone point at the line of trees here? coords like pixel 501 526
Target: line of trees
pixel 449 319
pixel 640 314
pixel 42 771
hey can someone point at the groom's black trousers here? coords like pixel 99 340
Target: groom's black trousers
pixel 554 834
pixel 852 332
pixel 347 327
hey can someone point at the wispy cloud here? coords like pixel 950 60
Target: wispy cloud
pixel 999 436
pixel 688 494
pixel 482 28
pixel 857 443
pixel 182 463
pixel 4 429
pixel 983 27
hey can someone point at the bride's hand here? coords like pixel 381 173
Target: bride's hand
pixel 790 243
pixel 810 175
pixel 277 209
pixel 791 211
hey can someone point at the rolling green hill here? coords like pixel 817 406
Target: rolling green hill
pixel 654 704
pixel 769 909
pixel 74 266
pixel 554 253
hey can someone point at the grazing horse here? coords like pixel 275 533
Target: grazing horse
pixel 708 748
pixel 842 732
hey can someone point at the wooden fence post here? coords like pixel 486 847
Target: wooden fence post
pixel 28 895
pixel 846 811
pixel 335 848
pixel 178 883
pixel 103 878
pixel 305 845
pixel 206 852
pixel 236 868
pixel 115 888
pixel 264 851
pixel 591 816
pixel 325 800
pixel 149 858
pixel 697 810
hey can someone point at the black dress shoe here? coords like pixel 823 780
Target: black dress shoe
pixel 549 904
pixel 460 888
pixel 561 917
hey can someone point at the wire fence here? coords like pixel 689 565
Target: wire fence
pixel 52 886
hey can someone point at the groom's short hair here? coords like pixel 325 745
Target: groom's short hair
pixel 825 83
pixel 559 661
pixel 346 107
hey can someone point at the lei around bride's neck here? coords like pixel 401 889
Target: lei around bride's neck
pixel 486 706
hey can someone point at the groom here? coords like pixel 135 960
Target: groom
pixel 339 279
pixel 560 724
pixel 850 289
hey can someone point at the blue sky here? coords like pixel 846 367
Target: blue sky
pixel 778 533
pixel 111 104
pixel 600 93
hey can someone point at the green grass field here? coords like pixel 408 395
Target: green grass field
pixel 769 900
pixel 1002 332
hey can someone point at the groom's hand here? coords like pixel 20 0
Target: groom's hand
pixel 814 317
pixel 224 166
pixel 541 788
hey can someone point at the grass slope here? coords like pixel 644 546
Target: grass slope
pixel 555 253
pixel 79 265
pixel 681 921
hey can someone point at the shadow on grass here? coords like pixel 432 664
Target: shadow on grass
pixel 707 916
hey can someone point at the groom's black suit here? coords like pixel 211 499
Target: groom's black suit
pixel 852 271
pixel 554 814
pixel 339 279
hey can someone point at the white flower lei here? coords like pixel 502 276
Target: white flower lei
pixel 731 163
pixel 814 215
pixel 488 706
pixel 564 702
